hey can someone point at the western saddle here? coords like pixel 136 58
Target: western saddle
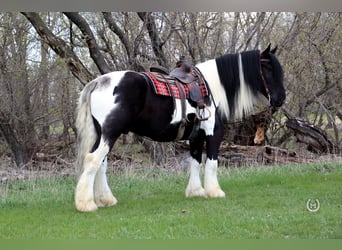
pixel 186 74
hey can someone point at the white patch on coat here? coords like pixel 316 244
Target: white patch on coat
pixel 209 125
pixel 177 113
pixel 102 101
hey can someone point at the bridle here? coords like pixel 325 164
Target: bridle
pixel 264 81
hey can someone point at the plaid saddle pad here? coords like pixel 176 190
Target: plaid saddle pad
pixel 165 85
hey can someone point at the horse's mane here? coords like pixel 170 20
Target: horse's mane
pixel 228 70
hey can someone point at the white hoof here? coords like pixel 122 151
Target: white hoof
pixel 197 192
pixel 106 200
pixel 86 206
pixel 215 193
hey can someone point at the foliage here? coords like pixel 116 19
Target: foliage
pixel 266 203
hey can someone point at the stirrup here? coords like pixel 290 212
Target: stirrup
pixel 198 116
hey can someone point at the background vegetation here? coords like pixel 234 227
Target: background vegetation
pixel 46 58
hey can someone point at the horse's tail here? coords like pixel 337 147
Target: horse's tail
pixel 86 133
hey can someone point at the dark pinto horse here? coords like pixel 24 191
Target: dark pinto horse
pixel 123 101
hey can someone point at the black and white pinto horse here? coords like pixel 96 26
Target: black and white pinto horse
pixel 123 101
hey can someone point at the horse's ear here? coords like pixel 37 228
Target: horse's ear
pixel 274 50
pixel 267 50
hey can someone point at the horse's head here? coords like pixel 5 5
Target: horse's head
pixel 272 75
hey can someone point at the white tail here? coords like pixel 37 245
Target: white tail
pixel 86 133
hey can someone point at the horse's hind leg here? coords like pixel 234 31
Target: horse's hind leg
pixel 115 123
pixel 103 194
pixel 84 195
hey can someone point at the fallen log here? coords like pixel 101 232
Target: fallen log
pixel 316 139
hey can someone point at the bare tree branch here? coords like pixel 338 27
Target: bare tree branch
pixel 116 30
pixel 94 49
pixel 60 47
pixel 157 47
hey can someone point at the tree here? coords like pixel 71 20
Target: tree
pixel 28 89
pixel 16 115
pixel 43 48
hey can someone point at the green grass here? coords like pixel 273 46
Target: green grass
pixel 266 203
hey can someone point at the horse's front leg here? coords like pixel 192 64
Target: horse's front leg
pixel 211 184
pixel 194 187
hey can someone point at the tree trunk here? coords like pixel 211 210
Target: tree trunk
pixel 44 100
pixel 157 45
pixel 19 152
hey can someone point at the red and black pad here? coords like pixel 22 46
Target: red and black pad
pixel 165 85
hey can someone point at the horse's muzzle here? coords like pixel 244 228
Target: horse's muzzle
pixel 279 101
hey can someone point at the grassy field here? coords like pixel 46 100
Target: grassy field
pixel 261 203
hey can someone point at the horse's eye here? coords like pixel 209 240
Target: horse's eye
pixel 267 66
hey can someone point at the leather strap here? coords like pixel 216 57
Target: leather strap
pixel 183 107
